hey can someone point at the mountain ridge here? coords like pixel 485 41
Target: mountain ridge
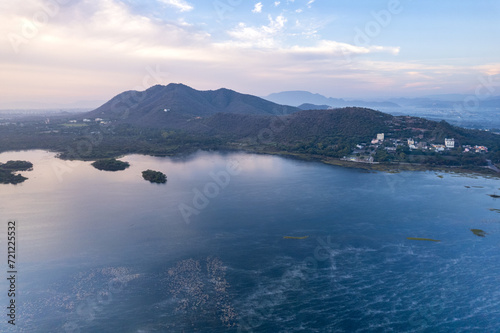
pixel 178 102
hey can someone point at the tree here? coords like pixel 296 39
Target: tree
pixel 154 176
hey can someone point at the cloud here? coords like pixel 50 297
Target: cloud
pixel 95 49
pixel 263 36
pixel 276 3
pixel 309 3
pixel 332 48
pixel 181 5
pixel 257 8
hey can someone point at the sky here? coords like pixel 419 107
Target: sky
pixel 69 51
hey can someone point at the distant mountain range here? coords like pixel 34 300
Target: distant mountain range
pixel 308 101
pixel 305 99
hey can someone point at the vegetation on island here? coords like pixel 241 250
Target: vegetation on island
pixel 423 239
pixel 478 232
pixel 110 164
pixel 8 169
pixel 154 176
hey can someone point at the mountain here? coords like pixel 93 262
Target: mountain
pixel 297 98
pixel 176 103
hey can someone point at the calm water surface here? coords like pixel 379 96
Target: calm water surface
pixel 109 252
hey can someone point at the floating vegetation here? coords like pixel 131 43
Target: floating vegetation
pixel 478 232
pixel 495 210
pixel 201 291
pixel 440 176
pixel 478 186
pixel 496 196
pixel 293 237
pixel 423 239
pixel 467 186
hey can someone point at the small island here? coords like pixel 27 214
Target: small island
pixel 110 164
pixel 479 232
pixel 154 176
pixel 423 239
pixel 7 170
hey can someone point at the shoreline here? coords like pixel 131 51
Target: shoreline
pixel 377 166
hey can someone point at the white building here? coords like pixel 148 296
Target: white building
pixel 449 143
pixel 380 137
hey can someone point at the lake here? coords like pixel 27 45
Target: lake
pixel 101 251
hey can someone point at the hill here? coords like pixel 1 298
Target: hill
pixel 174 104
pixel 309 106
pixel 352 123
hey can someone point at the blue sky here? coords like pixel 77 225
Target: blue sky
pixel 69 50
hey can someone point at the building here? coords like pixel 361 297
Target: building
pixel 480 149
pixel 449 143
pixel 380 137
pixel 411 144
pixel 439 147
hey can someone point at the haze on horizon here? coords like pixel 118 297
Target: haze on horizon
pixel 64 51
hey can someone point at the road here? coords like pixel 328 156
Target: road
pixel 492 166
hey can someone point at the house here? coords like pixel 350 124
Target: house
pixel 449 143
pixel 86 120
pixel 98 119
pixel 380 137
pixel 439 147
pixel 480 149
pixel 411 144
pixel 72 121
